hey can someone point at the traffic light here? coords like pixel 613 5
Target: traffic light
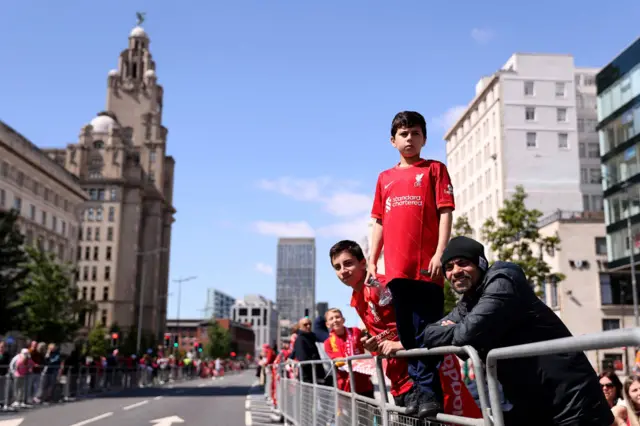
pixel 114 339
pixel 167 339
pixel 199 347
pixel 175 341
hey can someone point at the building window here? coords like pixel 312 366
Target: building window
pixel 79 253
pixel 594 150
pixel 113 194
pixel 63 228
pixel 107 273
pixel 553 286
pixel 105 294
pixel 110 233
pixel 54 223
pixel 563 141
pixel 97 234
pixel 595 176
pixel 242 312
pixel 87 253
pixel 92 294
pixel 90 214
pixel 601 245
pixel 85 273
pixel 584 175
pixel 108 254
pixel 96 252
pixel 84 293
pixel 99 212
pixel 610 324
pixel 530 114
pixel 612 362
pixel 17 204
pixel 596 203
pixel 531 140
pixel 89 233
pixel 152 156
pixel 561 115
pixel 103 317
pixel 43 218
pixel 615 289
pixel 112 214
pixel 582 150
pixel 3 197
pixel 528 88
pixel 560 90
pixel 94 273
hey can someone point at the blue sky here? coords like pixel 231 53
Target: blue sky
pixel 279 110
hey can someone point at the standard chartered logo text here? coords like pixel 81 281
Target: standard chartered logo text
pixel 405 200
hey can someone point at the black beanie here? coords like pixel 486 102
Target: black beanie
pixel 466 248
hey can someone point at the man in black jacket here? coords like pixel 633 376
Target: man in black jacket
pixel 499 308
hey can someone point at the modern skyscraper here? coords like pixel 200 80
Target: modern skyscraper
pixel 296 278
pixel 218 304
pixel 121 162
pixel 532 123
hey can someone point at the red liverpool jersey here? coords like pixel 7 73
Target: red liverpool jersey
pixel 408 201
pixel 381 323
pixel 348 344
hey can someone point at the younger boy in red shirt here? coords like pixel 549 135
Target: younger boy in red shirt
pixel 412 208
pixel 350 265
pixel 344 342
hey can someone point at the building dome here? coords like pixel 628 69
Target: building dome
pixel 102 124
pixel 138 32
pixel 150 73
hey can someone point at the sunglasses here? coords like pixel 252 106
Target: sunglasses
pixel 306 324
pixel 607 385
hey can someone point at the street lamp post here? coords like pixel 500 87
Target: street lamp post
pixel 141 301
pixel 180 281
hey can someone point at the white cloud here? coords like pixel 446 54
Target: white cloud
pixel 449 117
pixel 284 229
pixel 263 268
pixel 337 197
pixel 482 35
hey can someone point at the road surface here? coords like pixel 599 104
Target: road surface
pixel 201 402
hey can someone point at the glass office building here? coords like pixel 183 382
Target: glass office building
pixel 618 88
pixel 296 278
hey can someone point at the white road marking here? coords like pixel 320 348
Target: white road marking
pixel 93 419
pixel 157 398
pixel 201 385
pixel 137 404
pixel 247 404
pixel 11 422
pixel 247 418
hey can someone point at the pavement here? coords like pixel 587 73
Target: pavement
pixel 200 402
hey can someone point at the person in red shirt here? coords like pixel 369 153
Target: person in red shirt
pixel 412 208
pixel 343 342
pixel 350 265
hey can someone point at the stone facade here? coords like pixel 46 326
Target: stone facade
pixel 120 160
pixel 48 198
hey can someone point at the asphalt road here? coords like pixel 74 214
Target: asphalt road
pixel 195 403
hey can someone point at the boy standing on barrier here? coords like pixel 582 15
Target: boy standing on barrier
pixel 344 342
pixel 412 208
pixel 498 309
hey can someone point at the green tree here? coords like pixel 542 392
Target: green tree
pixel 515 237
pixel 48 305
pixel 12 270
pixel 219 340
pixel 461 227
pixel 97 344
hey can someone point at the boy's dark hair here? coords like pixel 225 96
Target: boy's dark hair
pixel 408 119
pixel 352 247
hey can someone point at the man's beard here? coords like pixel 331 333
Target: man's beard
pixel 467 288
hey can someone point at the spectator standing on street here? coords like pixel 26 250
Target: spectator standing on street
pixel 345 342
pixel 412 208
pixel 499 308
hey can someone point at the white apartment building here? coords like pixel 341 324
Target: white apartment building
pixel 261 314
pixel 532 123
pixel 218 304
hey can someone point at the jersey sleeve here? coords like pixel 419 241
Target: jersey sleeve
pixel 377 211
pixel 357 335
pixel 443 187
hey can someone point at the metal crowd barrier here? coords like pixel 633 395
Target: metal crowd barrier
pixel 313 404
pixel 594 341
pixel 77 382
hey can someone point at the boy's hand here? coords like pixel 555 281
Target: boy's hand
pixel 389 347
pixel 372 271
pixel 447 322
pixel 370 344
pixel 435 266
